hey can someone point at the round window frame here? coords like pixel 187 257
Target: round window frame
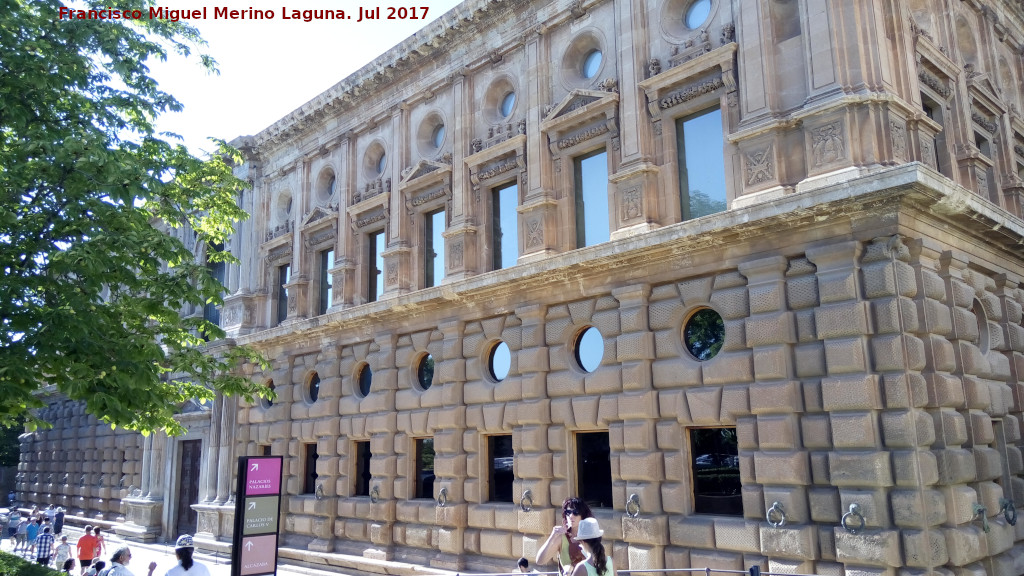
pixel 493 95
pixel 357 378
pixel 488 361
pixel 375 160
pixel 576 52
pixel 577 341
pixel 326 185
pixel 511 107
pixel 585 63
pixel 682 334
pixel 311 397
pixel 418 366
pixel 673 20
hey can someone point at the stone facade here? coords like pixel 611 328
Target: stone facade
pixel 867 273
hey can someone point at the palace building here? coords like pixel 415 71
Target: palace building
pixel 745 275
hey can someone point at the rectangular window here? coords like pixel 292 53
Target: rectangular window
pixel 716 471
pixel 499 454
pixel 218 271
pixel 433 248
pixel 326 281
pixel 363 456
pixel 283 277
pixel 591 184
pixel 309 477
pixel 594 469
pixel 701 158
pixel 504 226
pixel 425 468
pixel 375 266
pixel 265 449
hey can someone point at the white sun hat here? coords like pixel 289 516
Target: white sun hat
pixel 588 529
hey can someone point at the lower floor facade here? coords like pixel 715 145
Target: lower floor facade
pixel 827 383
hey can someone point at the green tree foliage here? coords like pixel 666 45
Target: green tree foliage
pixel 92 283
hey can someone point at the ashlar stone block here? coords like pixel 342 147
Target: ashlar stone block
pixel 851 393
pixel 799 542
pixel 965 544
pixel 645 530
pixel 792 501
pixel 860 469
pixel 778 432
pixel 737 535
pixel 914 468
pixel 960 501
pixel 907 429
pixel 875 548
pixel 842 320
pixel 855 430
pixel 925 548
pixel 782 468
pixel 988 463
pixel 775 397
pixel 846 356
pixel 917 508
pixel 816 431
pixel 692 531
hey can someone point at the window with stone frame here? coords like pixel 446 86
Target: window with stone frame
pixel 590 189
pixel 700 150
pixel 504 226
pixel 362 476
pixel 309 468
pixel 715 465
pixel 283 278
pixel 218 271
pixel 594 469
pixel 433 247
pixel 935 150
pixel 500 476
pixel 424 468
pixel 325 281
pixel 374 265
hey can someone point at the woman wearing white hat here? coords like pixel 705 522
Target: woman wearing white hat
pixel 183 549
pixel 588 535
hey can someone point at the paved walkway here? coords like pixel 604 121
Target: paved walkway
pixel 162 554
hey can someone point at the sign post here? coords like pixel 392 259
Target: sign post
pixel 257 516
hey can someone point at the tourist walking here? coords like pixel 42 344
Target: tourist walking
pixel 31 532
pixel 101 546
pixel 22 535
pixel 559 545
pixel 58 521
pixel 44 547
pixel 183 549
pixel 86 548
pixel 62 553
pixel 119 563
pixel 597 563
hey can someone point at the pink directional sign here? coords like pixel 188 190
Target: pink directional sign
pixel 259 555
pixel 263 476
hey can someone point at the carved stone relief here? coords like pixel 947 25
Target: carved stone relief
pixel 456 256
pixel 632 204
pixel 827 143
pixel 898 135
pixel 534 233
pixel 760 166
pixel 392 277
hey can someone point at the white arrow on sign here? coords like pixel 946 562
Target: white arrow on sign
pixel 252 505
pixel 248 546
pixel 255 467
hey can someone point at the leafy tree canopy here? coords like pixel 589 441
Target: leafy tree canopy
pixel 92 283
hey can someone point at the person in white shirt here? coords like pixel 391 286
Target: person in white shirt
pixel 119 563
pixel 183 549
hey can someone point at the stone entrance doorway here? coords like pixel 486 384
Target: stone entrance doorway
pixel 188 486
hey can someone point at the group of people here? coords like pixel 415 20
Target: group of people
pixel 119 560
pixel 36 535
pixel 576 543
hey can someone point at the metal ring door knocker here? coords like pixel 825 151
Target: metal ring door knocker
pixel 442 498
pixel 1009 510
pixel 526 502
pixel 776 511
pixel 980 510
pixel 633 506
pixel 853 514
pixel 375 494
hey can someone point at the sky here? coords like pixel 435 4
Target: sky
pixel 268 68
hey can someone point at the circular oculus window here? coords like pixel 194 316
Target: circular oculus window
pixel 508 102
pixel 697 14
pixel 592 63
pixel 588 349
pixel 704 333
pixel 365 380
pixel 499 361
pixel 313 388
pixel 425 372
